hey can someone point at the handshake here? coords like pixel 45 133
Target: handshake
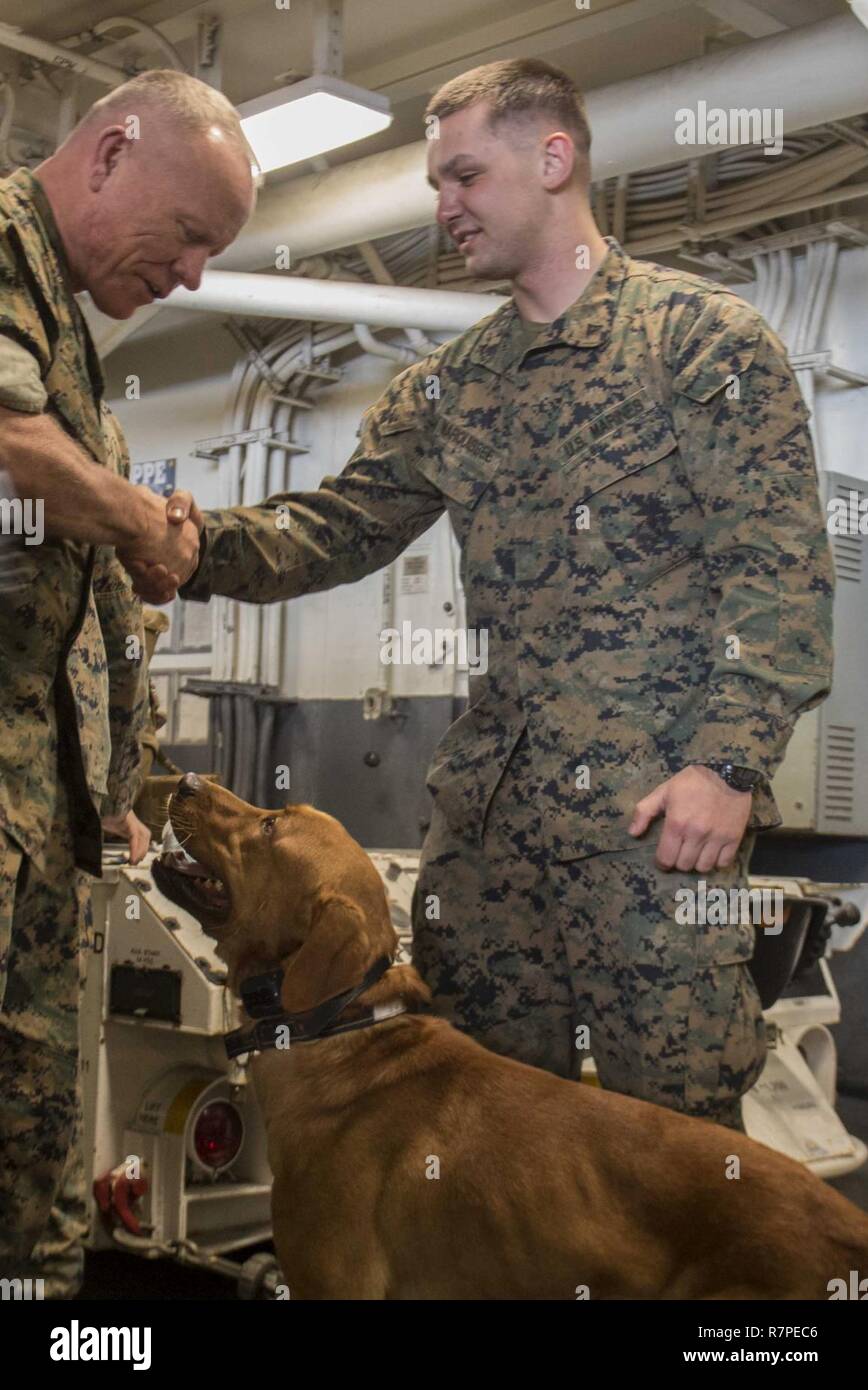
pixel 166 552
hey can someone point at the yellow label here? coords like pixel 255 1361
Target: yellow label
pixel 176 1115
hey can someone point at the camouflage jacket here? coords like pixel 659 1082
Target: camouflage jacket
pixel 636 501
pixel 75 697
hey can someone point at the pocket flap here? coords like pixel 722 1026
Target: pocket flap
pixel 460 464
pixel 627 448
pixel 711 369
pixel 456 477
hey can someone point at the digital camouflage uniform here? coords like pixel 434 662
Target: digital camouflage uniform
pixel 630 492
pixel 75 699
pixel 155 623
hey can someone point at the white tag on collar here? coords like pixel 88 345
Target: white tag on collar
pixel 382 1011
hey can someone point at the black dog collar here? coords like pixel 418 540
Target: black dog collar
pixel 264 1034
pixel 260 996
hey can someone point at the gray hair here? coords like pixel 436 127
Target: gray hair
pixel 188 104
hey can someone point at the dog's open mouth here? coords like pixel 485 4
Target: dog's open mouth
pixel 189 883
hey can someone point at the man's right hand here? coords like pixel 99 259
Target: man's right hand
pixel 181 505
pixel 166 552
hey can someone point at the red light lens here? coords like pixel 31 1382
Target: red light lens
pixel 218 1134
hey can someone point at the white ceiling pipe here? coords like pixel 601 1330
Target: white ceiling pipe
pixel 809 74
pixel 123 21
pixel 335 301
pixel 369 197
pixel 367 341
pixel 816 73
pixel 65 58
pixel 860 10
pixel 778 310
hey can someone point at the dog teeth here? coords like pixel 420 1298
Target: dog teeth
pixel 175 856
pixel 169 840
pixel 170 844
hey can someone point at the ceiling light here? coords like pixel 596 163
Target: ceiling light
pixel 321 113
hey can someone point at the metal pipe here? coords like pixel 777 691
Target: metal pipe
pixel 773 281
pixel 250 747
pixel 227 719
pixel 860 10
pixel 721 226
pixel 168 50
pixel 420 343
pixel 225 610
pixel 278 473
pixel 258 471
pixel 778 309
pixel 7 91
pixel 67 113
pixel 323 211
pixel 815 73
pixel 762 279
pixel 11 37
pixel 828 261
pixel 335 301
pixel 215 731
pixel 809 290
pixel 250 614
pixel 265 730
pixel 369 343
pixel 236 770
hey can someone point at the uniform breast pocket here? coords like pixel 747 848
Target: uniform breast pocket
pixel 461 476
pixel 630 492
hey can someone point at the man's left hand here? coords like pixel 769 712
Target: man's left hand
pixel 704 820
pixel 130 828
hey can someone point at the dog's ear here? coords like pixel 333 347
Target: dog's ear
pixel 336 955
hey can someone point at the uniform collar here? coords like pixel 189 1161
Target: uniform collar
pixel 29 187
pixel 586 323
pixel 26 187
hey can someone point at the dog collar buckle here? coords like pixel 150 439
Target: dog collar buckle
pixel 260 995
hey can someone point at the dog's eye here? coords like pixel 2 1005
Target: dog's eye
pixel 268 825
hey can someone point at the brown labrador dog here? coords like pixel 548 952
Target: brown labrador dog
pixel 410 1162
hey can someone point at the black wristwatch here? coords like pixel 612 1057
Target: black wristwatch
pixel 741 779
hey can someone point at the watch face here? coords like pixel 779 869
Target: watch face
pixel 743 779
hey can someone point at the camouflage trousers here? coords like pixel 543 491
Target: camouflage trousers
pixel 44 919
pixel 522 952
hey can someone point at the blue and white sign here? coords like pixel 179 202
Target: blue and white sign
pixel 158 475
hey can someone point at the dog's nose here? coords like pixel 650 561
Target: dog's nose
pixel 189 785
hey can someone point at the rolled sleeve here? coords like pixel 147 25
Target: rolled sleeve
pixel 21 386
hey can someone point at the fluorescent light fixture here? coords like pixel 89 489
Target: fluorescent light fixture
pixel 321 113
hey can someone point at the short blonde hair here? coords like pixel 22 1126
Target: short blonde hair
pixel 515 89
